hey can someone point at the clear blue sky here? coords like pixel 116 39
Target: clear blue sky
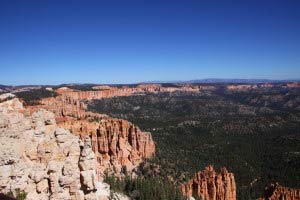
pixel 63 41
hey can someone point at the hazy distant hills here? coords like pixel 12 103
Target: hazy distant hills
pixel 208 81
pixel 220 80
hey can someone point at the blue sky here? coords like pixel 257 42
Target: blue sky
pixel 64 41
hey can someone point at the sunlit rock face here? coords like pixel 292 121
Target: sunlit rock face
pixel 209 185
pixel 118 144
pixel 276 191
pixel 45 161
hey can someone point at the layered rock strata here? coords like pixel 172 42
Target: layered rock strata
pixel 45 161
pixel 118 144
pixel 209 185
pixel 109 92
pixel 276 191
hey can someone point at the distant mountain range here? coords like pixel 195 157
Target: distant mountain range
pixel 209 80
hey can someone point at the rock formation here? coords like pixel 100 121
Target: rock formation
pixel 100 92
pixel 45 161
pixel 209 185
pixel 65 107
pixel 245 87
pixel 117 143
pixel 276 192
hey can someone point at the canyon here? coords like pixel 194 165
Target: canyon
pixel 118 144
pixel 72 149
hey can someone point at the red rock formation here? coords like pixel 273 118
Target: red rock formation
pixel 244 87
pixel 292 85
pixel 117 143
pixel 109 92
pixel 277 192
pixel 70 103
pixel 209 185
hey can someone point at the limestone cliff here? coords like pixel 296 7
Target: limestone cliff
pixel 278 192
pixel 209 185
pixel 45 161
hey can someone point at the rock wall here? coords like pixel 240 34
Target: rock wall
pixel 245 87
pixel 209 185
pixel 276 192
pixel 45 161
pixel 117 143
pixel 109 92
pixel 64 106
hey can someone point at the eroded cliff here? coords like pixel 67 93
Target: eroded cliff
pixel 209 185
pixel 278 192
pixel 118 144
pixel 45 161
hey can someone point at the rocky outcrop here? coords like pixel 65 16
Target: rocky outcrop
pixel 118 144
pixel 45 161
pixel 292 85
pixel 209 185
pixel 278 192
pixel 64 106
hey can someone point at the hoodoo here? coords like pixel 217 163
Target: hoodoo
pixel 209 185
pixel 276 191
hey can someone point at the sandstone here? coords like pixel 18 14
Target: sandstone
pixel 44 160
pixel 276 191
pixel 209 185
pixel 88 179
pixel 36 196
pixel 38 174
pixel 42 186
pixel 117 143
pixel 6 96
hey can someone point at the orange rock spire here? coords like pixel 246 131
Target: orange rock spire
pixel 210 185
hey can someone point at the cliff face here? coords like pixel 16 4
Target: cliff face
pixel 45 161
pixel 65 107
pixel 71 103
pixel 100 92
pixel 245 87
pixel 275 192
pixel 117 143
pixel 209 185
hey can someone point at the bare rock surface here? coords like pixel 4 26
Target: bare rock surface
pixel 209 185
pixel 276 191
pixel 117 143
pixel 45 161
